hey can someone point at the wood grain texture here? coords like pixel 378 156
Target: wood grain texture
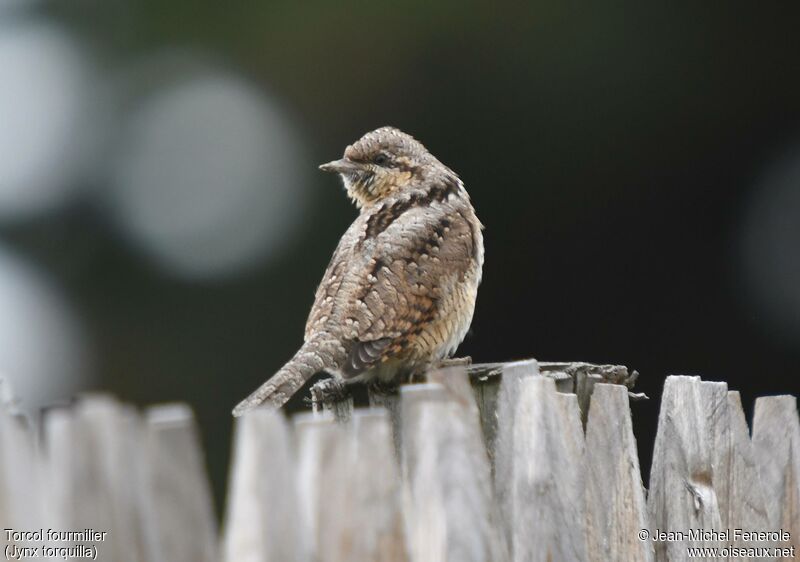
pixel 21 497
pixel 570 377
pixel 389 399
pixel 360 515
pixel 547 494
pixel 500 436
pixel 451 515
pixel 745 506
pixel 616 510
pixel 320 442
pixel 91 474
pixel 379 532
pixel 776 439
pixel 348 490
pixel 262 520
pixel 180 525
pixel 682 495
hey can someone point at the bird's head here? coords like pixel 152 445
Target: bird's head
pixel 382 162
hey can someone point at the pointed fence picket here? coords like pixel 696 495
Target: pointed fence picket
pixel 503 462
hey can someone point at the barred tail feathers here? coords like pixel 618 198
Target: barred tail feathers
pixel 313 357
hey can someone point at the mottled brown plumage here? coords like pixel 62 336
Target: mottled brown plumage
pixel 400 290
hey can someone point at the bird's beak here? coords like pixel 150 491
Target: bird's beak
pixel 343 166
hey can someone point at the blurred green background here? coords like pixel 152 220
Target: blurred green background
pixel 163 225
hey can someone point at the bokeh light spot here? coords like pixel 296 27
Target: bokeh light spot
pixel 771 248
pixel 207 178
pixel 44 88
pixel 43 350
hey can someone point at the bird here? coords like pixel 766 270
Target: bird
pixel 399 293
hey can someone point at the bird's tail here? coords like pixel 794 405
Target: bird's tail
pixel 314 356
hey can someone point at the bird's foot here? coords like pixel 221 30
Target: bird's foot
pixel 329 391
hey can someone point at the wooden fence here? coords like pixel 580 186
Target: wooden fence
pixel 491 463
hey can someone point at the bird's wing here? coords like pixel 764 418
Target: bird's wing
pixel 327 295
pixel 396 292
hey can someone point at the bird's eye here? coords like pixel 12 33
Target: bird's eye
pixel 381 159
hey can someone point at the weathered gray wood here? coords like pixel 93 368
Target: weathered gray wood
pixel 714 397
pixel 344 496
pixel 575 378
pixel 570 413
pixel 498 428
pixel 114 431
pixel 682 495
pixel 450 514
pixel 724 459
pixel 745 504
pixel 361 514
pixel 547 494
pixel 379 522
pixel 321 481
pixel 584 387
pixel 336 507
pixel 613 374
pixel 499 434
pixel 21 501
pixel 388 399
pixel 262 522
pixel 487 393
pixel 60 468
pixel 9 403
pixel 776 439
pixel 90 472
pixel 411 399
pixel 571 377
pixel 461 395
pixel 177 507
pixel 616 510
